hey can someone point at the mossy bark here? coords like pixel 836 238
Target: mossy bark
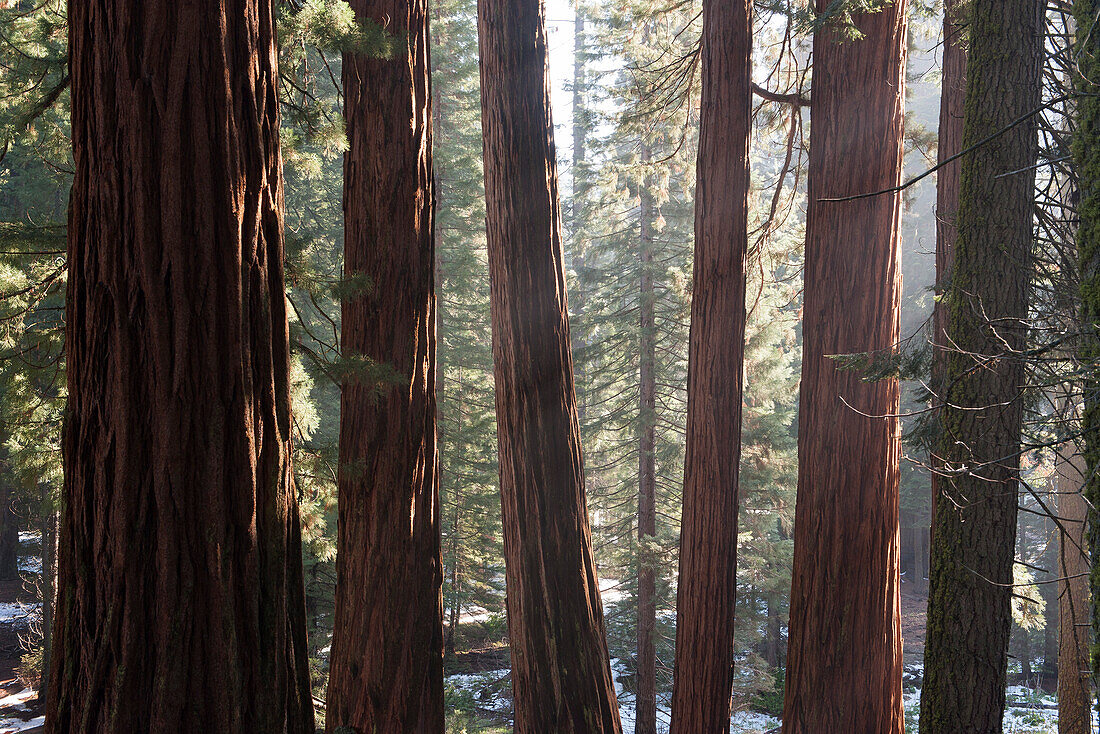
pixel 973 540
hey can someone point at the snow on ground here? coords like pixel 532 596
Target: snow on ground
pixel 18 702
pixel 30 564
pixel 488 694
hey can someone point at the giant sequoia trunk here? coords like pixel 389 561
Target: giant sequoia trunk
pixel 844 652
pixel 952 98
pixel 561 676
pixel 708 537
pixel 180 606
pixel 1086 159
pixel 387 646
pixel 973 541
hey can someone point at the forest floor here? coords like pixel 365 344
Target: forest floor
pixel 20 709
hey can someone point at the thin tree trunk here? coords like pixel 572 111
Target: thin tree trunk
pixel 844 661
pixel 181 606
pixel 952 99
pixel 1074 698
pixel 973 543
pixel 1086 163
pixel 561 675
pixel 387 645
pixel 646 698
pixel 707 588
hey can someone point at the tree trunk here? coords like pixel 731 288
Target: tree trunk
pixel 9 535
pixel 973 543
pixel 708 538
pixel 844 661
pixel 387 646
pixel 646 699
pixel 181 606
pixel 1086 162
pixel 1074 697
pixel 561 676
pixel 952 99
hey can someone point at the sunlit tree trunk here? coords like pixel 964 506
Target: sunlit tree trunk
pixel 708 538
pixel 973 541
pixel 180 606
pixel 844 660
pixel 561 676
pixel 949 143
pixel 387 645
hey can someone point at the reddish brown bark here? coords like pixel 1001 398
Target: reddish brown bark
pixel 561 676
pixel 952 99
pixel 180 606
pixel 844 655
pixel 708 537
pixel 1074 696
pixel 387 648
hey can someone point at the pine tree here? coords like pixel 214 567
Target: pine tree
pixel 181 600
pixel 561 678
pixel 844 659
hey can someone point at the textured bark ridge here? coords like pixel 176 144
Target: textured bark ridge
pixel 708 538
pixel 180 604
pixel 973 543
pixel 387 651
pixel 561 677
pixel 952 99
pixel 844 658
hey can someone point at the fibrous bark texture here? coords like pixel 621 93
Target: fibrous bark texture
pixel 1086 162
pixel 708 537
pixel 949 143
pixel 973 541
pixel 561 676
pixel 180 606
pixel 387 647
pixel 844 655
pixel 1074 696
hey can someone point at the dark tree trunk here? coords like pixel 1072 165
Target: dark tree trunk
pixel 952 99
pixel 1074 697
pixel 387 647
pixel 973 542
pixel 561 676
pixel 646 698
pixel 181 606
pixel 9 535
pixel 708 538
pixel 1086 160
pixel 844 660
